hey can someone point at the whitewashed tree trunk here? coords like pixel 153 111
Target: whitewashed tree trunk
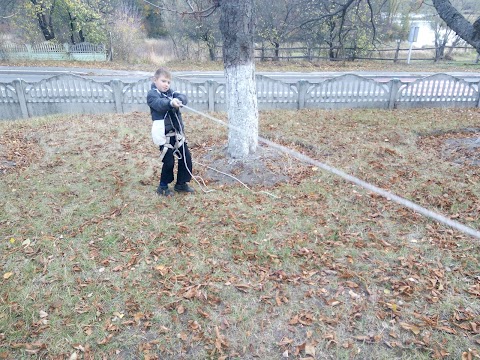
pixel 237 27
pixel 242 110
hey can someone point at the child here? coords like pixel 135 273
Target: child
pixel 168 133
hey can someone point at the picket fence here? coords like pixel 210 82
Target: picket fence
pixel 74 94
pixel 53 51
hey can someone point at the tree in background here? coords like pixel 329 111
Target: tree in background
pixel 154 24
pixel 43 12
pixel 186 22
pixel 344 24
pixel 78 20
pixel 278 22
pixel 69 21
pixel 125 26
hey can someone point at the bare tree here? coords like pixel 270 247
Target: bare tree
pixel 344 23
pixel 277 21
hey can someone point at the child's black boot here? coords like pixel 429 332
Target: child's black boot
pixel 164 191
pixel 183 188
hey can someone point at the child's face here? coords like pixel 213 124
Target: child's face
pixel 162 83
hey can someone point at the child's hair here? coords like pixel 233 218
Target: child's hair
pixel 162 72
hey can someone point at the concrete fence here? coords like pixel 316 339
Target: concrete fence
pixel 74 94
pixel 53 51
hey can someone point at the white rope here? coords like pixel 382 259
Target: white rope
pixel 237 179
pixel 204 186
pixel 386 194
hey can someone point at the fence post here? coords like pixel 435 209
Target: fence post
pixel 117 88
pixel 29 49
pixel 478 100
pixel 66 47
pixel 20 89
pixel 211 89
pixel 393 86
pixel 302 87
pixel 397 51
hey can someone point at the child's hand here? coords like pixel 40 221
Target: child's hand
pixel 176 103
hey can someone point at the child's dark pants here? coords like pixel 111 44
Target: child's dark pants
pixel 183 175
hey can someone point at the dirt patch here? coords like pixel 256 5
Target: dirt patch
pixel 267 167
pixel 457 146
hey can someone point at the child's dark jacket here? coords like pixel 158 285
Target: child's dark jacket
pixel 160 108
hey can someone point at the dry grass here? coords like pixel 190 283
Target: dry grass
pixel 152 59
pixel 93 263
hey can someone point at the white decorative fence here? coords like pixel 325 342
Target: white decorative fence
pixel 53 51
pixel 74 94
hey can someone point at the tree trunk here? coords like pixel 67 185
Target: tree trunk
pixel 46 27
pixel 237 27
pixel 457 22
pixel 81 36
pixel 72 27
pixel 277 51
pixel 44 18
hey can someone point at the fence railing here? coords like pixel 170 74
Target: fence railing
pixel 399 53
pixel 53 51
pixel 75 94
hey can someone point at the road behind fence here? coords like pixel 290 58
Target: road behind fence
pixel 75 94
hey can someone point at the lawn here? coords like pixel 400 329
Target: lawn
pixel 95 265
pixel 298 66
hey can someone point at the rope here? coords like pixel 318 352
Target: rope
pixel 233 177
pixel 203 186
pixel 386 194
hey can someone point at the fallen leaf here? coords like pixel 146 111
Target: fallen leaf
pixel 353 294
pixel 413 328
pixel 118 315
pixel 310 350
pixel 362 338
pixel 78 347
pixel 183 336
pixel 164 329
pixel 285 341
pixel 105 340
pixel 242 287
pixel 7 275
pixel 446 329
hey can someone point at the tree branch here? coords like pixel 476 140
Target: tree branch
pixel 202 13
pixel 374 35
pixel 342 9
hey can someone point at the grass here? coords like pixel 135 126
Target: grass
pixel 94 265
pixel 150 65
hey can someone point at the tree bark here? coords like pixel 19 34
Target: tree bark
pixel 237 28
pixel 44 17
pixel 458 23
